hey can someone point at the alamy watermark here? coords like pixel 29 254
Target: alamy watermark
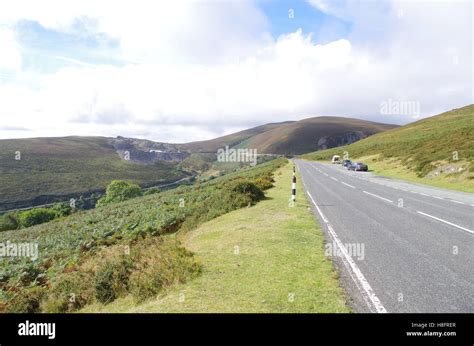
pixel 400 107
pixel 237 155
pixel 355 250
pixel 9 249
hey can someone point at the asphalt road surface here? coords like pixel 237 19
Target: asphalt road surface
pixel 400 247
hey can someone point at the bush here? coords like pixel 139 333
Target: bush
pixel 245 187
pixel 36 216
pixel 68 293
pixel 62 209
pixel 111 280
pixel 8 222
pixel 264 183
pixel 161 264
pixel 26 300
pixel 118 191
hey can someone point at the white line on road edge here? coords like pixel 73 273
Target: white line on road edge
pixel 372 194
pixel 334 179
pixel 349 262
pixel 446 222
pixel 452 200
pixel 348 184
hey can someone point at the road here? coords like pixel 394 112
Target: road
pixel 402 247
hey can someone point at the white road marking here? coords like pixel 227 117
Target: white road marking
pixel 317 208
pixel 446 222
pixel 334 179
pixel 377 196
pixel 424 194
pixel 452 200
pixel 348 184
pixel 359 278
pixel 437 197
pixel 326 174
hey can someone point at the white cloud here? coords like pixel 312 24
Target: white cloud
pixel 203 68
pixel 10 56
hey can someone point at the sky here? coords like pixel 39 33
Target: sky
pixel 181 71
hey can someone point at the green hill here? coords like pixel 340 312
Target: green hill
pixel 294 137
pixel 438 150
pixel 58 168
pixel 312 134
pixel 231 140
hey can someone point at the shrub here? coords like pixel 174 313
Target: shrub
pixel 25 301
pixel 111 280
pixel 69 292
pixel 8 222
pixel 245 187
pixel 118 191
pixel 161 264
pixel 36 216
pixel 264 183
pixel 62 209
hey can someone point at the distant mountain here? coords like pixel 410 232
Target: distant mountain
pixel 295 137
pixel 231 140
pixel 51 169
pixel 313 134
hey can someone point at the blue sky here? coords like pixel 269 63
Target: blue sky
pixel 46 50
pixel 190 70
pixel 306 17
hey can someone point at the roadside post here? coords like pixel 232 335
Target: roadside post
pixel 293 186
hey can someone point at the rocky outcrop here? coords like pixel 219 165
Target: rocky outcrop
pixel 147 152
pixel 328 142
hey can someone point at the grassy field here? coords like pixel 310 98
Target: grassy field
pixel 437 151
pixel 266 258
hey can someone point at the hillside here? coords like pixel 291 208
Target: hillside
pixel 231 140
pixel 313 134
pixel 438 150
pixel 59 168
pixel 52 168
pixel 295 137
pixel 84 253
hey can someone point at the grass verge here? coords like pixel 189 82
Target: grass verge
pixel 266 258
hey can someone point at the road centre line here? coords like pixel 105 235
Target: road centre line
pixel 377 196
pixel 446 222
pixel 348 184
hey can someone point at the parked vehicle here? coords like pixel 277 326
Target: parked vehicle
pixel 336 159
pixel 358 166
pixel 346 163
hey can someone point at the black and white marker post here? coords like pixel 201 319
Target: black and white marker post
pixel 293 186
